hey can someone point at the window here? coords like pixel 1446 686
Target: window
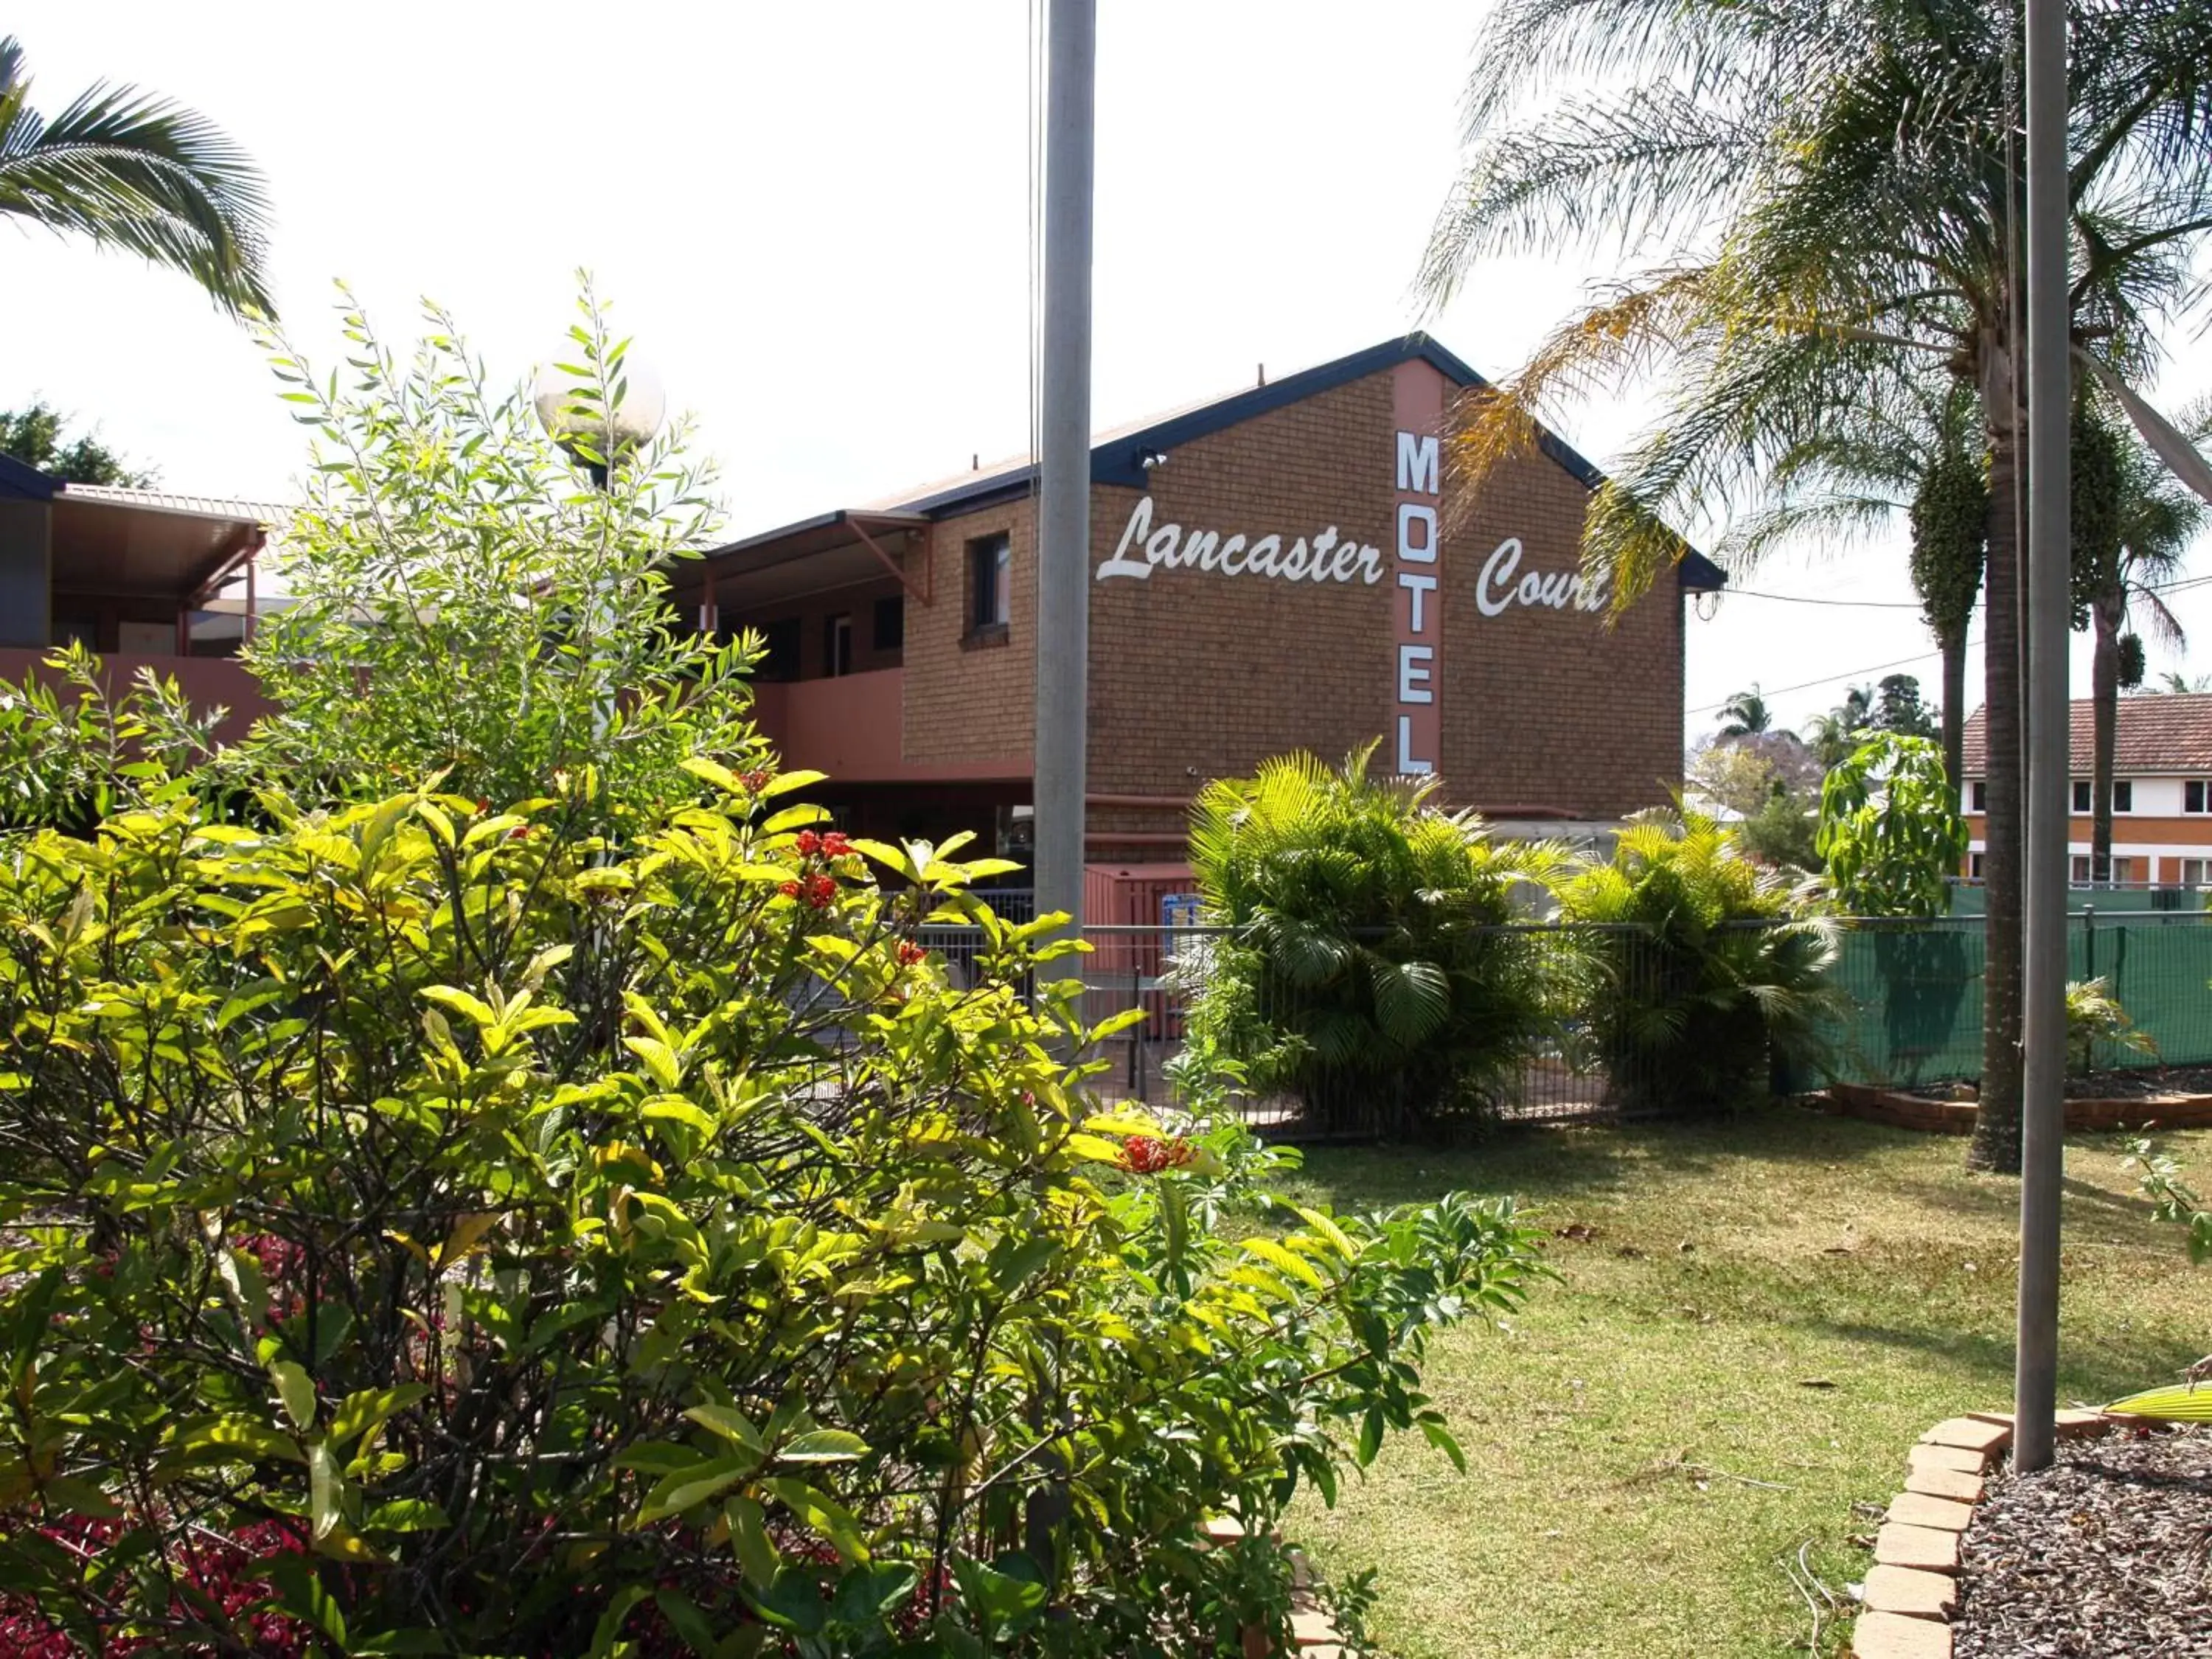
pixel 1979 795
pixel 2123 795
pixel 2196 873
pixel 2192 795
pixel 990 586
pixel 2127 873
pixel 891 623
pixel 781 661
pixel 2079 874
pixel 1974 865
pixel 837 646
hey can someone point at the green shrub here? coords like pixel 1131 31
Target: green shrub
pixel 427 1228
pixel 1700 977
pixel 1367 963
pixel 1891 835
pixel 2094 1015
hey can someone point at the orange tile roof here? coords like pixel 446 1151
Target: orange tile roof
pixel 2160 734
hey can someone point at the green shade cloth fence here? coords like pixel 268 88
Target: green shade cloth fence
pixel 1916 992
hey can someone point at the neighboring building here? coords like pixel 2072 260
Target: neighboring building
pixel 1269 574
pixel 142 577
pixel 2162 791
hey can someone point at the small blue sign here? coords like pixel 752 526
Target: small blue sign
pixel 1178 910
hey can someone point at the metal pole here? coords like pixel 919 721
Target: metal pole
pixel 1063 641
pixel 2035 1376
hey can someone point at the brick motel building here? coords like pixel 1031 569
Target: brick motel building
pixel 1269 573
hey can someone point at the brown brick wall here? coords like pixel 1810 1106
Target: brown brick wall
pixel 1564 710
pixel 967 703
pixel 1195 674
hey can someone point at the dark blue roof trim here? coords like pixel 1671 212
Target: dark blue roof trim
pixel 987 489
pixel 1118 460
pixel 1698 574
pixel 19 480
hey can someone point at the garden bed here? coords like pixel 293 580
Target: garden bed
pixel 2102 1556
pixel 2180 1098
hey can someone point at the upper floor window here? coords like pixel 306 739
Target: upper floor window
pixel 2123 795
pixel 837 646
pixel 2192 795
pixel 990 586
pixel 781 659
pixel 1978 792
pixel 891 623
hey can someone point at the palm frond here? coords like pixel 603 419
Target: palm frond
pixel 143 173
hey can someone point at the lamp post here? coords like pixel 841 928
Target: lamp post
pixel 630 425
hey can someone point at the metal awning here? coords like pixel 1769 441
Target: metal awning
pixel 839 549
pixel 148 543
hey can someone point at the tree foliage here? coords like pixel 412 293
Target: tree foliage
pixel 465 602
pixel 1891 835
pixel 1819 206
pixel 432 1230
pixel 35 435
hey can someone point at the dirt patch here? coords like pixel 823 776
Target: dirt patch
pixel 2107 1554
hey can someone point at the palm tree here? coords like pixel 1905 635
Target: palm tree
pixel 1921 458
pixel 133 171
pixel 1827 202
pixel 1745 714
pixel 2131 527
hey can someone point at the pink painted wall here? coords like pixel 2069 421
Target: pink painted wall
pixel 209 681
pixel 850 727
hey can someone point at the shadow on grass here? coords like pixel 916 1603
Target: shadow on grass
pixel 1543 1163
pixel 2116 1364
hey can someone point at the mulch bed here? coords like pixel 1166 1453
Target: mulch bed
pixel 2134 1083
pixel 2107 1554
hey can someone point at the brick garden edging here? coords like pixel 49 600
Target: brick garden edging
pixel 1903 1111
pixel 1912 1589
pixel 1313 1636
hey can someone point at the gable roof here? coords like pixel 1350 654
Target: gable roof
pixel 2158 733
pixel 1117 454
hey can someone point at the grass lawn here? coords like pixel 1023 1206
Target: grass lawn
pixel 1614 1432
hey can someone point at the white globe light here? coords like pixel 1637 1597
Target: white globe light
pixel 636 416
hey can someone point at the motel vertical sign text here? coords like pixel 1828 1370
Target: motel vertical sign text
pixel 1416 675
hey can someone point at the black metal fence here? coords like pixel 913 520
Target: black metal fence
pixel 1566 1074
pixel 1909 1011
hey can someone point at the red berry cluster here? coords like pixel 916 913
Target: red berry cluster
pixel 817 889
pixel 1149 1155
pixel 909 953
pixel 754 781
pixel 835 844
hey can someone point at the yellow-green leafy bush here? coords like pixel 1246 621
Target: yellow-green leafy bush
pixel 427 1228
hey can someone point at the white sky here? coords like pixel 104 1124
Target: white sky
pixel 814 219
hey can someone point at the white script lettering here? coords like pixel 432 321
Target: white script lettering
pixel 1325 558
pixel 1496 591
